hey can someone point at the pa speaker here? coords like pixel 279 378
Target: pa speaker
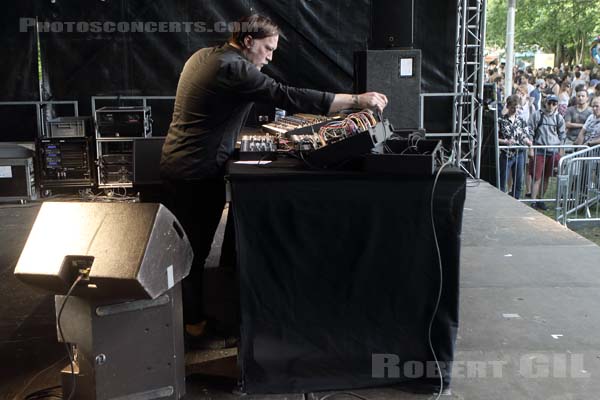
pixel 121 250
pixel 397 74
pixel 392 24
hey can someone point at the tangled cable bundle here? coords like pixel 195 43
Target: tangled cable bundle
pixel 352 124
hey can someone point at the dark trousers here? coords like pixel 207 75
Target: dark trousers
pixel 198 206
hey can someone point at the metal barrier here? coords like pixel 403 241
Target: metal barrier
pixel 526 173
pixel 578 193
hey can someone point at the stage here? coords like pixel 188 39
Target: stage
pixel 528 313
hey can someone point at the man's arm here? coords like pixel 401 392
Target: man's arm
pixel 594 142
pixel 343 101
pixel 569 123
pixel 580 137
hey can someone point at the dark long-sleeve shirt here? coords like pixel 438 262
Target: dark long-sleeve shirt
pixel 216 90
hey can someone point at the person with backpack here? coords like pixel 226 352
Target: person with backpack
pixel 549 129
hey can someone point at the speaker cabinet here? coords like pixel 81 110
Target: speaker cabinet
pixel 392 24
pixel 124 250
pixel 397 74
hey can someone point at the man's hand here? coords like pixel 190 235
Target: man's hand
pixel 372 100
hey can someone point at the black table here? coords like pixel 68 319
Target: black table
pixel 339 273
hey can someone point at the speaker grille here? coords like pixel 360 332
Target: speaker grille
pixel 397 74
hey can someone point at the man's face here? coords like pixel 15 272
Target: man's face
pixel 551 105
pixel 260 51
pixel 550 81
pixel 582 97
pixel 596 107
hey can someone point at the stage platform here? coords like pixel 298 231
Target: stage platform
pixel 529 314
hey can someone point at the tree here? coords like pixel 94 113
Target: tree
pixel 563 27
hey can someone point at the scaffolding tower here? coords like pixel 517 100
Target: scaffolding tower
pixel 468 84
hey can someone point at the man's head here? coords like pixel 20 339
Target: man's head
pixel 551 79
pixel 540 83
pixel 551 103
pixel 257 37
pixel 499 81
pixel 582 95
pixel 512 104
pixel 596 107
pixel 523 80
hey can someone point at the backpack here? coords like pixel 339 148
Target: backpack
pixel 541 120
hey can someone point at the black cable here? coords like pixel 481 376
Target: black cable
pixel 350 394
pixel 439 294
pixel 62 337
pixel 47 393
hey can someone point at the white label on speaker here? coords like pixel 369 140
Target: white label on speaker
pixel 170 279
pixel 406 67
pixel 6 171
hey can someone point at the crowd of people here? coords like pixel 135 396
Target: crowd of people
pixel 545 107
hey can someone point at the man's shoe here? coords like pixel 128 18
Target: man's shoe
pixel 213 337
pixel 209 341
pixel 541 206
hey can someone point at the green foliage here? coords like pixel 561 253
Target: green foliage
pixel 563 27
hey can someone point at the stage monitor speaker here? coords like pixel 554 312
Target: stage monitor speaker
pixel 123 250
pixel 397 74
pixel 392 24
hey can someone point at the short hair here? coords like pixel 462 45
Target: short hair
pixel 580 88
pixel 257 26
pixel 513 100
pixel 577 74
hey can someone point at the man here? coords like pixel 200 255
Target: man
pixel 590 132
pixel 499 81
pixel 536 94
pixel 216 90
pixel 576 82
pixel 548 128
pixel 576 115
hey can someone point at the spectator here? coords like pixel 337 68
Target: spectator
pixel 536 94
pixel 552 88
pixel 512 130
pixel 594 90
pixel 526 107
pixel 590 132
pixel 548 128
pixel 499 81
pixel 576 115
pixel 564 95
pixel 576 82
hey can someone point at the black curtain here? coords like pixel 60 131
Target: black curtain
pixel 315 49
pixel 18 68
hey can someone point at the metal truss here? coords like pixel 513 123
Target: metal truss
pixel 468 84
